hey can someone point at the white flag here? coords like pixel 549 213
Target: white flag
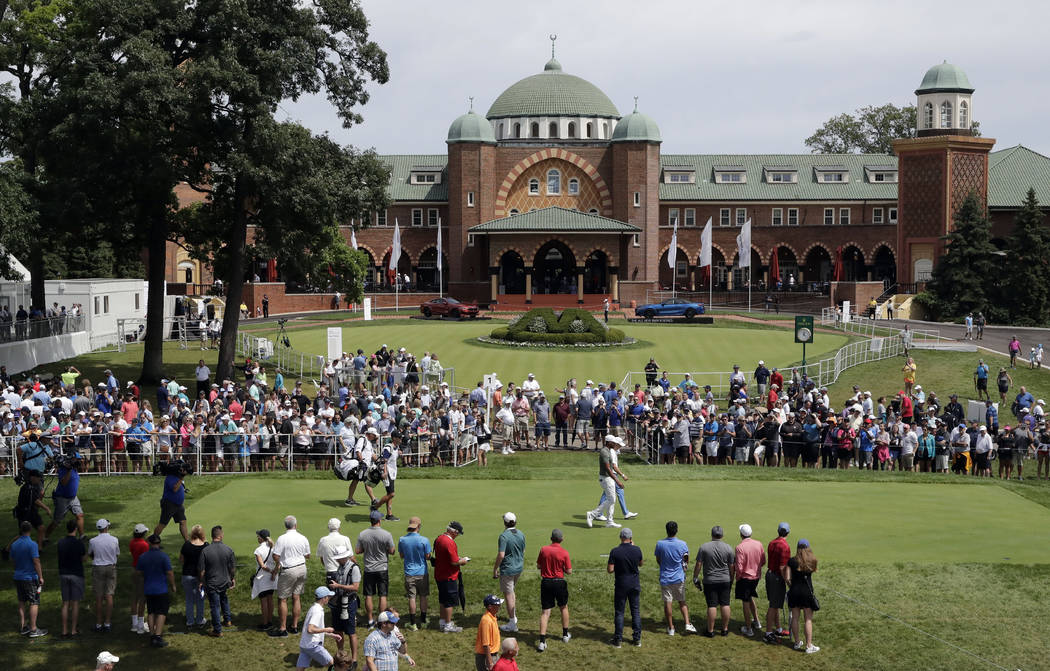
pixel 705 245
pixel 743 246
pixel 439 243
pixel 395 247
pixel 353 239
pixel 672 252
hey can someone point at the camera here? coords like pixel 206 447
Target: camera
pixel 22 476
pixel 178 468
pixel 68 461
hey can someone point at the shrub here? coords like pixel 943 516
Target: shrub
pixel 544 325
pixel 577 326
pixel 538 325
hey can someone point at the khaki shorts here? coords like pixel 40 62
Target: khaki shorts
pixel 291 581
pixel 507 583
pixel 907 461
pixel 508 434
pixel 521 423
pixel 104 578
pixel 417 585
pixel 673 592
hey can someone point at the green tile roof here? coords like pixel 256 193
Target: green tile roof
pixel 552 93
pixel 945 77
pixel 1012 171
pixel 555 220
pixel 756 188
pixel 400 186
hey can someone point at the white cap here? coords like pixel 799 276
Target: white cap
pixel 590 381
pixel 761 362
pixel 102 524
pixel 918 386
pixel 983 428
pixel 531 375
pixel 615 440
pixel 140 528
pixel 1040 402
pixel 745 530
pixel 106 657
pixel 510 517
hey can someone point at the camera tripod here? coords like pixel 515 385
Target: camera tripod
pixel 281 338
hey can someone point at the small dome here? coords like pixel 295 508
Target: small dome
pixel 944 78
pixel 552 66
pixel 471 127
pixel 636 127
pixel 552 93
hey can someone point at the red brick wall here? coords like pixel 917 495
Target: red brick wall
pixel 281 303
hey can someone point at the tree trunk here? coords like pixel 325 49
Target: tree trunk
pixel 36 271
pixel 234 257
pixel 157 251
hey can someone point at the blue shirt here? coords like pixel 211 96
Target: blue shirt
pixel 174 497
pixel 982 372
pixel 991 416
pixel 68 490
pixel 670 552
pixel 154 565
pixel 23 552
pixel 1025 400
pixel 278 381
pixel 414 548
pixel 38 462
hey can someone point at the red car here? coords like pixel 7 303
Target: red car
pixel 448 307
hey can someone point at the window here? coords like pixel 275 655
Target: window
pixel 876 215
pixel 605 129
pixel 517 130
pixel 501 131
pixel 681 266
pixel 833 177
pixel 636 240
pixel 792 216
pixel 424 178
pixel 381 218
pixel 844 216
pixel 927 115
pixel 964 114
pixel 470 199
pixel 829 216
pixel 417 216
pixel 590 129
pixel 723 217
pixel 433 217
pixel 778 216
pixel 574 187
pixel 552 129
pixel 730 177
pixel 105 305
pixel 892 215
pixel 513 213
pixel 534 187
pixel 572 129
pixel 741 216
pixel 678 177
pixel 535 129
pixel 137 299
pixel 470 239
pixel 553 182
pixel 690 216
pixel 946 114
pixel 878 177
pixel 782 177
pixel 96 305
pixel 672 216
pixel 593 210
pixel 637 198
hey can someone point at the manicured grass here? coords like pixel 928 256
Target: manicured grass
pixel 955 557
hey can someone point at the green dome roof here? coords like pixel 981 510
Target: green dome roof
pixel 636 127
pixel 944 78
pixel 553 93
pixel 471 127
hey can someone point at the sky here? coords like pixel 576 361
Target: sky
pixel 718 77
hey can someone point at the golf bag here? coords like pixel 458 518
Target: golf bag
pixel 346 469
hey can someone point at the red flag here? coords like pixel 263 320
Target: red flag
pixel 271 270
pixel 774 267
pixel 838 272
pixel 330 271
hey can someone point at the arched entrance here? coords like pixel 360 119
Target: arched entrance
pixel 679 277
pixel 885 265
pixel 740 275
pixel 511 273
pixel 554 269
pixel 404 267
pixel 427 274
pixel 818 265
pixel 853 265
pixel 595 273
pixel 370 269
pixel 787 269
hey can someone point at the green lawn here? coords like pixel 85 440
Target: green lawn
pixel 954 557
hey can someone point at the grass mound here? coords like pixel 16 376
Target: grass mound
pixel 569 327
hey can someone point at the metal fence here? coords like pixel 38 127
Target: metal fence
pixel 213 454
pixel 30 329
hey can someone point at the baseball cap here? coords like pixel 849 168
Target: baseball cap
pixel 803 543
pixel 413 523
pixel 102 524
pixel 493 600
pixel 510 517
pixel 106 657
pixel 745 530
pixel 154 539
pixel 322 591
pixel 761 362
pixel 263 533
pixel 375 516
pixel 387 616
pixel 141 528
pixel 456 526
pixel 785 527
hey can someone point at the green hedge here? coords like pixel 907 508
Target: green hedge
pixel 558 328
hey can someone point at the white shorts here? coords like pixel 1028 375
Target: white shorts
pixel 711 447
pixel 316 653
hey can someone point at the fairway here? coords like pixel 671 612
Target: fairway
pixel 677 348
pixel 846 522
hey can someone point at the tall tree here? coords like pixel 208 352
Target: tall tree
pixel 1026 273
pixel 869 130
pixel 16 217
pixel 255 54
pixel 963 277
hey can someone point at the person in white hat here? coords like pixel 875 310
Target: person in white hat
pixel 364 452
pixel 509 565
pixel 761 376
pixel 750 558
pixel 345 582
pixel 530 387
pixel 609 481
pixel 505 426
pixel 105 661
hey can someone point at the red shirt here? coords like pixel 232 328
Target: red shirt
pixel 906 407
pixel 138 547
pixel 772 400
pixel 505 664
pixel 446 558
pixel 777 379
pixel 236 409
pixel 778 552
pixel 553 561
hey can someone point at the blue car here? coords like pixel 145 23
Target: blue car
pixel 672 307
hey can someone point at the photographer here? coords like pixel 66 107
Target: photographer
pixel 174 496
pixel 34 453
pixel 30 498
pixel 65 494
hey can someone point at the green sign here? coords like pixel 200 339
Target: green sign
pixel 804 329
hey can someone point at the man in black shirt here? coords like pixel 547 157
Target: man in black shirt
pixel 651 369
pixel 624 561
pixel 71 553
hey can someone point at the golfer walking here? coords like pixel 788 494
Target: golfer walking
pixel 609 482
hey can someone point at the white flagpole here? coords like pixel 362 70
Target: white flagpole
pixel 672 257
pixel 395 256
pixel 440 268
pixel 705 258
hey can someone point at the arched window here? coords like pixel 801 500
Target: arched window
pixel 605 130
pixel 946 114
pixel 927 112
pixel 513 212
pixel 501 131
pixel 517 130
pixel 553 182
pixel 534 187
pixel 964 115
pixel 574 187
pixel 535 129
pixel 572 129
pixel 552 129
pixel 593 210
pixel 590 129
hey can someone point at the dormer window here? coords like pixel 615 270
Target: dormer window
pixel 730 174
pixel 879 174
pixel 781 175
pixel 425 174
pixel 831 174
pixel 679 175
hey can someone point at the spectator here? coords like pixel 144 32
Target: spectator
pixel 30 501
pixel 327 545
pixel 71 553
pixel 672 554
pixel 105 661
pixel 217 568
pixel 311 643
pixel 265 580
pixel 345 582
pixel 384 645
pixel 104 549
pixel 29 580
pixel 624 561
pixel 487 643
pixel 190 555
pixel 717 559
pixel 776 586
pixel 290 553
pixel 415 552
pixel 554 564
pixel 375 545
pixel 800 570
pixel 750 558
pixel 508 651
pixel 157 579
pixel 446 574
pixel 510 562
pixel 137 547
